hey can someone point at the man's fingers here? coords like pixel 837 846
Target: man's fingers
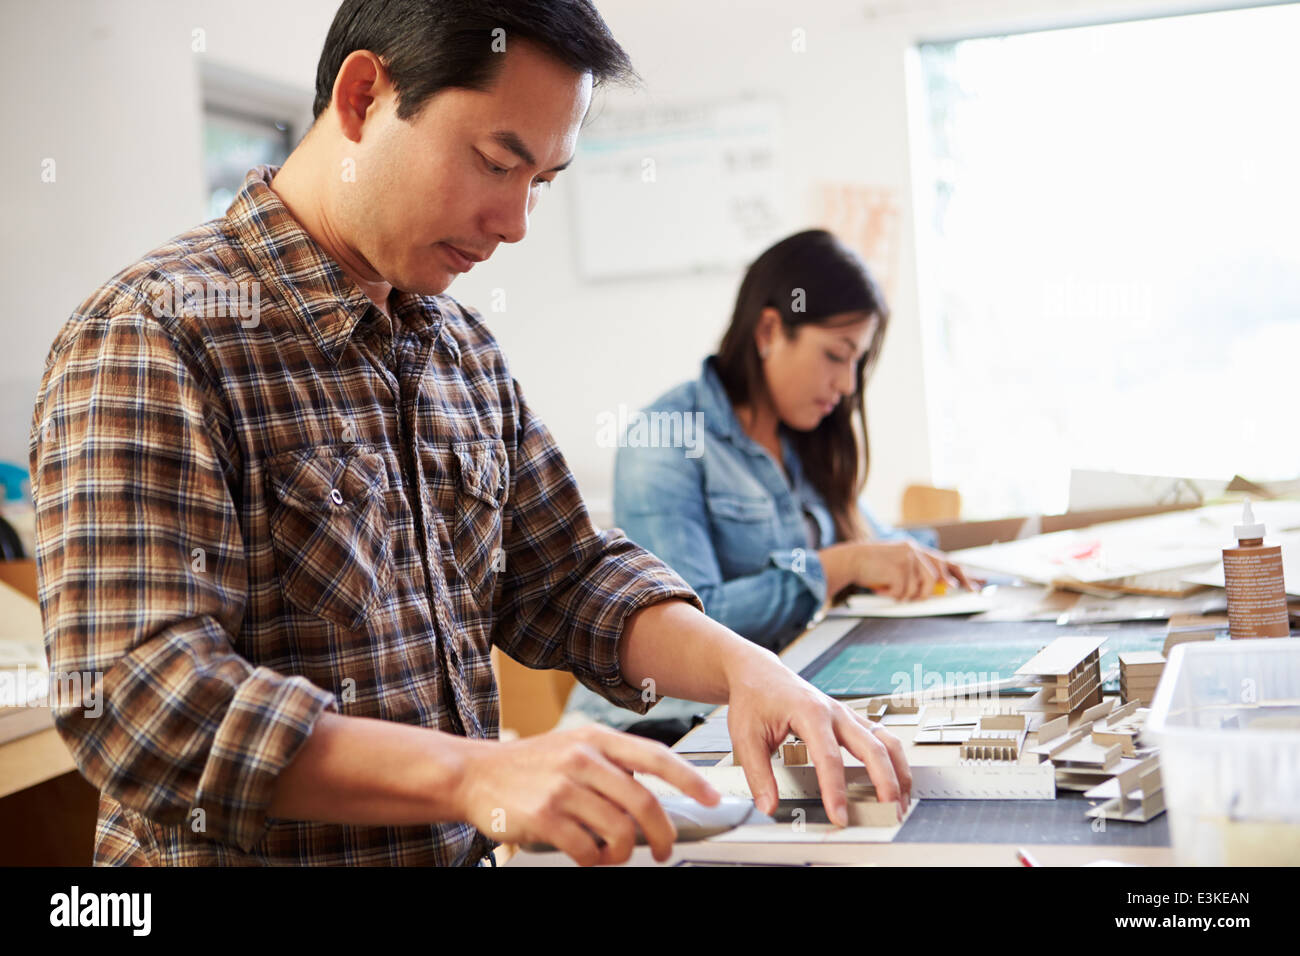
pixel 633 799
pixel 824 751
pixel 647 756
pixel 574 841
pixel 751 753
pixel 897 756
pixel 606 820
pixel 862 743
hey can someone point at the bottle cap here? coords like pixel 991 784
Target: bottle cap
pixel 1248 527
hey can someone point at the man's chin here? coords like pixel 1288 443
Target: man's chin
pixel 429 284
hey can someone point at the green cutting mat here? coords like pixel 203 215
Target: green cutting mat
pixel 889 656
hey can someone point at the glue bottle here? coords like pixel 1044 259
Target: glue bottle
pixel 1253 576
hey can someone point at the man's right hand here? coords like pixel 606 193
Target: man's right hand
pixel 571 788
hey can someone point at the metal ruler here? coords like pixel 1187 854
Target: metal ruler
pixel 974 780
pixel 981 780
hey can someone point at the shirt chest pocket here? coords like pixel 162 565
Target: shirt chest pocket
pixel 471 499
pixel 744 531
pixel 329 529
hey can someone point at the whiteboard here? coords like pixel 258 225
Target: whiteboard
pixel 685 188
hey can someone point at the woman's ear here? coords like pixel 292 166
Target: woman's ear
pixel 767 330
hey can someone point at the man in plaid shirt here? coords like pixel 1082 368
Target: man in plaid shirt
pixel 289 496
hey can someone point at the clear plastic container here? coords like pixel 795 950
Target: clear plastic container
pixel 1226 717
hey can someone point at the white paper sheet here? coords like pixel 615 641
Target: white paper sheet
pixel 957 602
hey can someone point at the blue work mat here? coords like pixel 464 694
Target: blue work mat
pixel 887 656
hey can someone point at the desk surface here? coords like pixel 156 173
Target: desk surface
pixel 33 759
pixel 929 836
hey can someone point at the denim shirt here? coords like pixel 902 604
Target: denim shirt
pixel 724 517
pixel 691 486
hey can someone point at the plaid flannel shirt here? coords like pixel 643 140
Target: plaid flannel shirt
pixel 255 503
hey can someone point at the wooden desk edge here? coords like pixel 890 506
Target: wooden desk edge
pixel 33 759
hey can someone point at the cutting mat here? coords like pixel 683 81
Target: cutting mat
pixel 882 656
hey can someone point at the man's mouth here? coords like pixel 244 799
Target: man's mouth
pixel 462 260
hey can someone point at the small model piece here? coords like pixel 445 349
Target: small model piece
pixel 998 737
pixel 1139 675
pixel 794 753
pixel 1068 671
pixel 1134 795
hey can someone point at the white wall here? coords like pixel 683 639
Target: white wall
pixel 109 89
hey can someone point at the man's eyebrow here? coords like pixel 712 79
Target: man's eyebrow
pixel 511 141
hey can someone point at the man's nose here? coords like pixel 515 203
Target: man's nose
pixel 510 219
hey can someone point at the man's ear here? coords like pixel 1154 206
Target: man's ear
pixel 767 329
pixel 361 80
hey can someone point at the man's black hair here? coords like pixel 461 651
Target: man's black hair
pixel 430 45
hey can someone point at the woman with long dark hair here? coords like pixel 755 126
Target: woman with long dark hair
pixel 763 519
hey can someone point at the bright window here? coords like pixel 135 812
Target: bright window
pixel 232 145
pixel 248 120
pixel 1110 254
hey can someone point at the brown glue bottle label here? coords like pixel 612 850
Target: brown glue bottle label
pixel 1256 593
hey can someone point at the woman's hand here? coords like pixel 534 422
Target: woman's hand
pixel 906 571
pixel 903 570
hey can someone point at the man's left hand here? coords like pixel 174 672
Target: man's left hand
pixel 768 702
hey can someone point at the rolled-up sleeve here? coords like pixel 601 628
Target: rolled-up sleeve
pixel 143 585
pixel 659 502
pixel 567 590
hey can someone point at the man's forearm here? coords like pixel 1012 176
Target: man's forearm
pixel 685 653
pixel 364 771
